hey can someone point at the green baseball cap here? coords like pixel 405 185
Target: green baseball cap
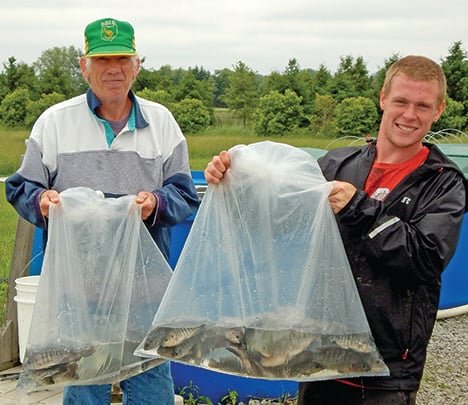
pixel 109 37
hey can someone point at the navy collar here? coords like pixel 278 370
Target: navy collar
pixel 94 103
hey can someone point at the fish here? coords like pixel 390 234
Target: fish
pixel 362 343
pixel 52 356
pixel 277 347
pixel 243 356
pixel 235 335
pixel 258 342
pixel 175 336
pixel 343 360
pixel 61 373
pixel 301 365
pixel 187 347
pixel 225 363
pixel 154 338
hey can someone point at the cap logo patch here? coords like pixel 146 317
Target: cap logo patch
pixel 108 30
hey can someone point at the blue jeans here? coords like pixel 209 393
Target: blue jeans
pixel 154 386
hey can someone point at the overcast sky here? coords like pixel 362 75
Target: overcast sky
pixel 264 34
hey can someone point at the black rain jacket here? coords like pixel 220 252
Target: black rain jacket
pixel 397 249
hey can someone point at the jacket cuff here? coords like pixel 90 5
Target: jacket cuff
pixel 154 217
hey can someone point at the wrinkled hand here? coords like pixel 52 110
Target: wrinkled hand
pixel 48 197
pixel 340 195
pixel 148 203
pixel 215 170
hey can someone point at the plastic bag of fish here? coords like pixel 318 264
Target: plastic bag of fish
pixel 263 287
pixel 101 283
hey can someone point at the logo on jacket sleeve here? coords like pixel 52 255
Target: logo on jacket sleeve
pixel 405 200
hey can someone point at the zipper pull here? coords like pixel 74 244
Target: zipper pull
pixel 404 356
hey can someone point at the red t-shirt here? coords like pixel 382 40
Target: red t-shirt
pixel 384 177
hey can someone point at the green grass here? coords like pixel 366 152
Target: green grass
pixel 13 146
pixel 8 220
pixel 202 147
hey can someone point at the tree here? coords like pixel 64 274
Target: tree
pixel 278 114
pixel 146 79
pixel 190 87
pixel 322 119
pixel 379 78
pixel 158 96
pixel 323 77
pixel 221 83
pixel 18 76
pixel 351 79
pixel 192 115
pixel 13 108
pixel 356 116
pixel 242 92
pixel 58 70
pixel 455 67
pixel 453 116
pixel 293 78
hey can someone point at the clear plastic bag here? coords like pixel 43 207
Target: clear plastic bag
pixel 102 280
pixel 263 287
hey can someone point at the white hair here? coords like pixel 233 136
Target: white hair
pixel 88 60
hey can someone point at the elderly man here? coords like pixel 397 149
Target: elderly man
pixel 110 140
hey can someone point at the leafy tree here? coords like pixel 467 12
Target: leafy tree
pixel 158 96
pixel 278 113
pixel 13 108
pixel 322 119
pixel 453 116
pixel 308 78
pixel 221 83
pixel 190 87
pixel 58 70
pixel 351 79
pixel 356 116
pixel 17 75
pixel 200 73
pixel 360 76
pixel 275 81
pixel 146 79
pixel 36 107
pixel 242 93
pixel 165 79
pixel 323 77
pixel 379 78
pixel 295 79
pixel 455 67
pixel 192 115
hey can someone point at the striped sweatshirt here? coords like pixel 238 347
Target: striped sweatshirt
pixel 70 146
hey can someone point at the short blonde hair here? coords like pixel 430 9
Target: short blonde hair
pixel 417 68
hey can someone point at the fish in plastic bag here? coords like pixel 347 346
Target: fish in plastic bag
pixel 102 280
pixel 263 287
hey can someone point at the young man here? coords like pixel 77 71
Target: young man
pixel 399 203
pixel 113 141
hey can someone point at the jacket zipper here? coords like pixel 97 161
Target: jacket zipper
pixel 405 353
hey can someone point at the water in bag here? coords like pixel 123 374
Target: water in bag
pixel 102 280
pixel 263 287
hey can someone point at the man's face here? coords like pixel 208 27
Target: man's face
pixel 110 77
pixel 409 109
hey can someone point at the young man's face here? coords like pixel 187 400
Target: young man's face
pixel 110 77
pixel 409 109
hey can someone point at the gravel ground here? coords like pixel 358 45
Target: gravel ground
pixel 445 380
